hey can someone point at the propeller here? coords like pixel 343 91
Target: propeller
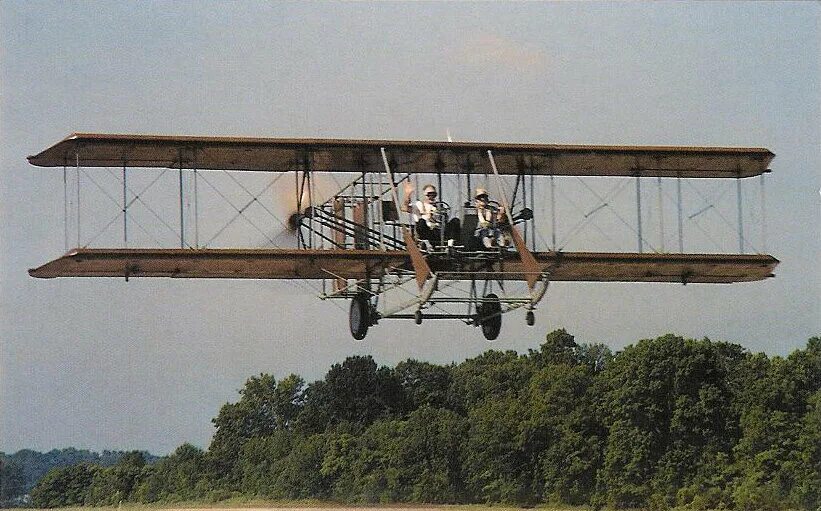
pixel 285 234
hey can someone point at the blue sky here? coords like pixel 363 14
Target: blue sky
pixel 104 364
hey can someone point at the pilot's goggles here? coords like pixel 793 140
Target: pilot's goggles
pixel 430 194
pixel 482 197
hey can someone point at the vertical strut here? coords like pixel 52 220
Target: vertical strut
pixel 533 209
pixel 638 212
pixel 524 200
pixel 470 192
pixel 182 217
pixel 77 157
pixel 552 213
pixel 125 209
pixel 661 216
pixel 300 241
pixel 365 209
pixel 763 218
pixel 310 178
pixel 65 206
pixel 459 202
pixel 196 206
pixel 680 216
pixel 381 214
pixel 740 217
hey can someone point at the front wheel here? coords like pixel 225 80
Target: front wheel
pixel 359 316
pixel 490 316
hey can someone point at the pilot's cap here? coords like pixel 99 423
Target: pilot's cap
pixel 428 188
pixel 480 192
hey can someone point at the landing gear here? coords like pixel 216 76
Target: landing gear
pixel 490 316
pixel 530 318
pixel 417 317
pixel 360 316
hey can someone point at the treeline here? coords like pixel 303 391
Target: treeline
pixel 19 472
pixel 667 422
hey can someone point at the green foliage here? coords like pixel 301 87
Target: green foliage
pixel 495 460
pixel 779 453
pixel 666 423
pixel 491 375
pixel 664 403
pixel 412 460
pixel 64 486
pixel 12 480
pixel 178 477
pixel 117 483
pixel 265 406
pixel 300 476
pixel 423 383
pixel 22 470
pixel 355 393
pixel 561 432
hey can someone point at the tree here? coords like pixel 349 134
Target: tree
pixel 424 383
pixel 498 465
pixel 664 403
pixel 431 453
pixel 560 432
pixel 12 482
pixel 491 375
pixel 64 486
pixel 777 456
pixel 261 463
pixel 265 406
pixel 356 393
pixel 174 478
pixel 117 483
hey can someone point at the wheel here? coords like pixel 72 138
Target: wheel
pixel 359 316
pixel 530 318
pixel 491 310
pixel 417 317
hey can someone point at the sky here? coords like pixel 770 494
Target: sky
pixel 104 364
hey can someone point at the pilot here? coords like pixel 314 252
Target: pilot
pixel 427 216
pixel 492 218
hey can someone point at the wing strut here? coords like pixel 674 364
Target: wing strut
pixel 420 265
pixel 531 267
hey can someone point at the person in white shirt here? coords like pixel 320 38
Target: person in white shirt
pixel 428 217
pixel 491 219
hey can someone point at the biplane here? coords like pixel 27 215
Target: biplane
pixel 360 242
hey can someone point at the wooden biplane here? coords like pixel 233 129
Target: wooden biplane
pixel 361 242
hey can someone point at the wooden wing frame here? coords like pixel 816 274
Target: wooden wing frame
pixel 361 264
pixel 426 157
pixel 418 157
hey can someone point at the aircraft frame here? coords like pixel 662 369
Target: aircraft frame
pixel 357 243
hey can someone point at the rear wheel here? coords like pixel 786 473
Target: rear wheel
pixel 490 316
pixel 359 316
pixel 530 318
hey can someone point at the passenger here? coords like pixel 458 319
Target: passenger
pixel 427 217
pixel 492 219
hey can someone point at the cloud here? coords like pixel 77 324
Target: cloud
pixel 493 50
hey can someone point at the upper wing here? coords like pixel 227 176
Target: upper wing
pixel 334 155
pixel 358 264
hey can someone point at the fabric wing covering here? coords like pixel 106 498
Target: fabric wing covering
pixel 357 264
pixel 336 155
